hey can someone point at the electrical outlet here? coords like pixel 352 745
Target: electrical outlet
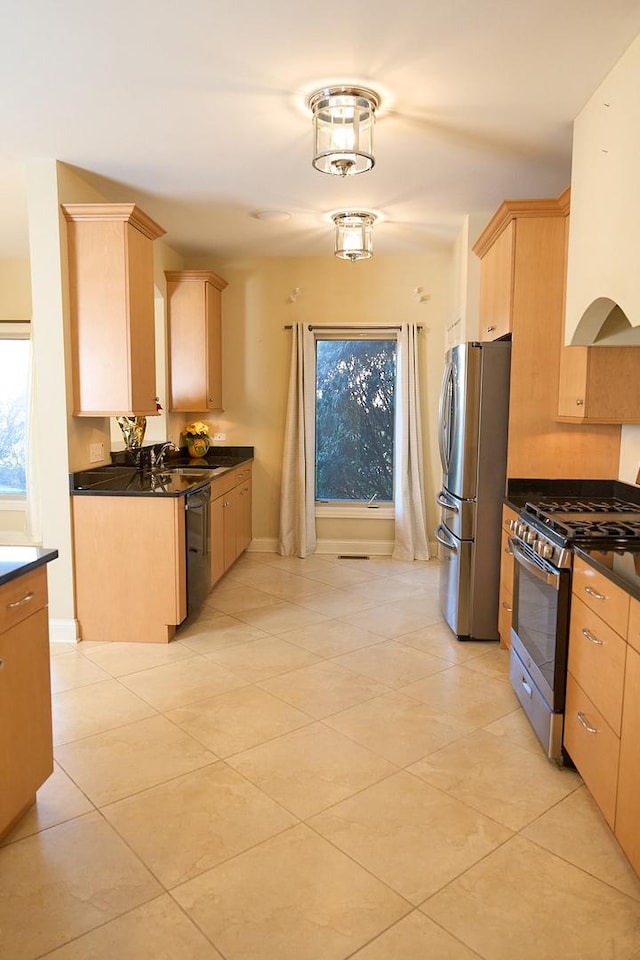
pixel 96 452
pixel 219 436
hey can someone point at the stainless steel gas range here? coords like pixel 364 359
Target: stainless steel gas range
pixel 541 542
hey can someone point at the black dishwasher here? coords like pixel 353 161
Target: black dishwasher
pixel 198 529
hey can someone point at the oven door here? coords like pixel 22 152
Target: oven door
pixel 540 621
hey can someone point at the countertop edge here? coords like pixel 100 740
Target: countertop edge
pixel 20 567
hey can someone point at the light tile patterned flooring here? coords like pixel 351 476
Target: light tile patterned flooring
pixel 314 770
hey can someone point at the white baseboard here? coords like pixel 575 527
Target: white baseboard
pixel 64 631
pixel 372 548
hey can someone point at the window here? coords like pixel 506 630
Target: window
pixel 14 387
pixel 355 416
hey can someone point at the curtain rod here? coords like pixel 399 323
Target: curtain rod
pixel 353 326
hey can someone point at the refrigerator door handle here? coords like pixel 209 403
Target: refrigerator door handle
pixel 444 537
pixel 444 417
pixel 443 501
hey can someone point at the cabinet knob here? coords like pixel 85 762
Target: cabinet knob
pixel 490 329
pixel 507 607
pixel 1 663
pixel 579 402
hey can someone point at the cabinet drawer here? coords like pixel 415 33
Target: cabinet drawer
pixel 633 635
pixel 228 481
pixel 597 656
pixel 601 595
pixel 593 747
pixel 21 597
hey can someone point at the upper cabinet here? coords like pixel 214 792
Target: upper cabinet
pixel 195 344
pixel 112 310
pixel 522 283
pixel 496 285
pixel 600 385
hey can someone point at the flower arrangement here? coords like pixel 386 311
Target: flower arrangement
pixel 196 436
pixel 196 429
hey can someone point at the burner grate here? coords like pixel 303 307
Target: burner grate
pixel 582 505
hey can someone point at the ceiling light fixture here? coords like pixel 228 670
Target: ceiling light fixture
pixel 343 121
pixel 353 234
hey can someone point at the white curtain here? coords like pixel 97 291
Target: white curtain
pixel 297 501
pixel 410 535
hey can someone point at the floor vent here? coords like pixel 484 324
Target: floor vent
pixel 353 556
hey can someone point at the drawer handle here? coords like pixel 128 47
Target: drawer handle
pixel 19 603
pixel 594 593
pixel 507 607
pixel 1 663
pixel 585 723
pixel 587 633
pixel 508 551
pixel 490 329
pixel 527 687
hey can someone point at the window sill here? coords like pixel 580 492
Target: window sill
pixel 352 511
pixel 18 505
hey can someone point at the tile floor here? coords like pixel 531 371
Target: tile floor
pixel 315 769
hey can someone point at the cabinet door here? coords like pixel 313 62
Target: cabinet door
pixel 627 821
pixel 244 527
pixel 600 384
pixel 214 348
pixel 231 524
pixel 217 539
pixel 26 749
pixel 112 309
pixel 496 285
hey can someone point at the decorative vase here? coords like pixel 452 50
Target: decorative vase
pixel 197 446
pixel 133 429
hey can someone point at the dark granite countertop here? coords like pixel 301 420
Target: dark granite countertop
pixel 180 475
pixel 16 561
pixel 622 567
pixel 522 490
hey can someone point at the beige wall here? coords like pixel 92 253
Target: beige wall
pixel 15 290
pixel 256 350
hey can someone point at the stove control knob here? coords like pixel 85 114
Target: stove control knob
pixel 513 525
pixel 547 551
pixel 521 529
pixel 530 537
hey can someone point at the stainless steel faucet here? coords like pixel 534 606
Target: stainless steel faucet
pixel 157 459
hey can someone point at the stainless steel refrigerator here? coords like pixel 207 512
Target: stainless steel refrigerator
pixel 472 433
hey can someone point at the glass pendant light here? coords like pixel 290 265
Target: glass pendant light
pixel 343 121
pixel 353 234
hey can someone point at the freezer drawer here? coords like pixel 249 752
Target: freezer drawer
pixel 468 588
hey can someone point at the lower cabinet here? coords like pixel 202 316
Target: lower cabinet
pixel 230 519
pixel 627 826
pixel 602 717
pixel 130 567
pixel 26 747
pixel 506 579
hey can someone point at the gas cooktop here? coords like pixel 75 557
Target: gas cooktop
pixel 584 520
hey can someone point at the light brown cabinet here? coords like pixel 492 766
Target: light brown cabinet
pixel 602 716
pixel 26 746
pixel 628 801
pixel 599 385
pixel 522 276
pixel 130 567
pixel 194 304
pixel 112 308
pixel 230 519
pixel 506 579
pixel 496 285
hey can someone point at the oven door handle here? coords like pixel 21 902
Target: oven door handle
pixel 550 577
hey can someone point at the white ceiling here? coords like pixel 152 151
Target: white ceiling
pixel 195 110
